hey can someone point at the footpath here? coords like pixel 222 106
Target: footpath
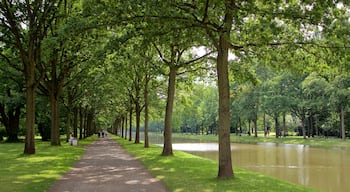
pixel 106 167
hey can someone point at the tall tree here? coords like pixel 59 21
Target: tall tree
pixel 339 99
pixel 316 93
pixel 173 58
pixel 26 24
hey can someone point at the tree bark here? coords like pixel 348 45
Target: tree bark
pixel 85 122
pixel 168 148
pixel 55 131
pixel 303 127
pixel 146 144
pixel 10 119
pixel 75 122
pixel 90 122
pixel 225 162
pixel 342 121
pixel 138 114
pixel 126 125
pixel 12 131
pixel 284 125
pixel 310 127
pixel 29 146
pixel 122 126
pixel 255 121
pixel 277 130
pixel 130 123
pixel 68 116
pixel 81 127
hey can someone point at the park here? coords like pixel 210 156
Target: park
pixel 264 85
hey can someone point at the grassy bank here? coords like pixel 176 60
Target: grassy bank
pixel 36 173
pixel 185 172
pixel 315 141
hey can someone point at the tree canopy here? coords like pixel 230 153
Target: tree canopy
pixel 109 61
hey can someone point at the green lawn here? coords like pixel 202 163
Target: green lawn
pixel 185 172
pixel 36 173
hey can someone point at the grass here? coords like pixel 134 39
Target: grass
pixel 35 173
pixel 185 172
pixel 314 142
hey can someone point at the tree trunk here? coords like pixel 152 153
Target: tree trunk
pixel 122 126
pixel 342 120
pixel 309 126
pixel 264 123
pixel 138 118
pixel 68 116
pixel 13 126
pixel 316 125
pixel 115 126
pixel 255 121
pixel 168 148
pixel 85 122
pixel 277 127
pixel 284 125
pixel 90 122
pixel 55 131
pixel 249 129
pixel 225 162
pixel 10 119
pixel 29 146
pixel 126 125
pixel 303 127
pixel 81 127
pixel 130 123
pixel 146 144
pixel 75 123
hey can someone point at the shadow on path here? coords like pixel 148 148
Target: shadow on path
pixel 107 167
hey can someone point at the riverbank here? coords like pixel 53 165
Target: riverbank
pixel 186 172
pixel 313 141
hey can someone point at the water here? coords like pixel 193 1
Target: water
pixel 319 168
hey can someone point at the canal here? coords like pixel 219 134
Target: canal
pixel 320 168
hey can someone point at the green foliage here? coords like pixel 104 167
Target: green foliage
pixel 196 107
pixel 339 91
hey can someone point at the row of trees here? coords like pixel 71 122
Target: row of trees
pixel 42 52
pixel 308 104
pixel 110 57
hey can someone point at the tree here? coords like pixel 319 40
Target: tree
pixel 173 59
pixel 339 99
pixel 275 100
pixel 316 96
pixel 25 25
pixel 12 96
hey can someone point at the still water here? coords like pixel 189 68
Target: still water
pixel 327 170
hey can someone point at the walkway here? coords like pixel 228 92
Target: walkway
pixel 107 167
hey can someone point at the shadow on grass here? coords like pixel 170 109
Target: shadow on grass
pixel 36 172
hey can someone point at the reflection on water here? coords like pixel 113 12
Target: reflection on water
pixel 196 147
pixel 323 169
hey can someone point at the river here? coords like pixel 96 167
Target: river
pixel 319 168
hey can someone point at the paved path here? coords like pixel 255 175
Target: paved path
pixel 107 167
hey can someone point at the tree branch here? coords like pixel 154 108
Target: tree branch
pixel 160 54
pixel 196 59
